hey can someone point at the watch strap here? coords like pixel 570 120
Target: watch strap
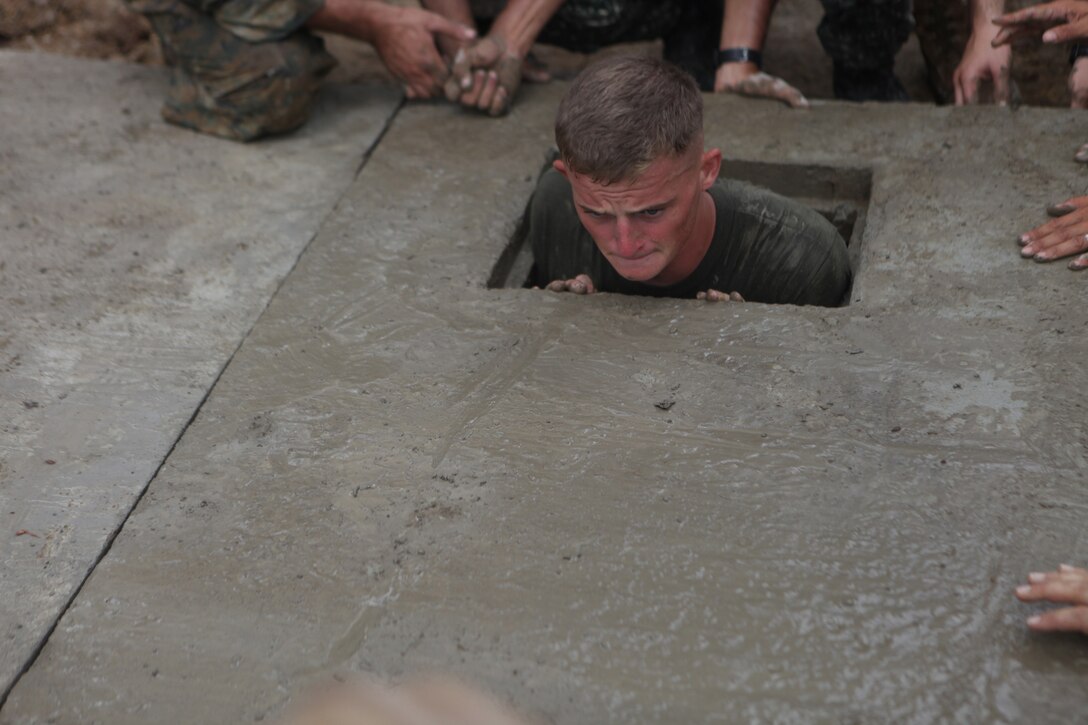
pixel 739 55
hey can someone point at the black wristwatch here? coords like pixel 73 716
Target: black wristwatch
pixel 739 55
pixel 1078 50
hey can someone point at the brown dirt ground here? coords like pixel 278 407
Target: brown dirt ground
pixel 84 28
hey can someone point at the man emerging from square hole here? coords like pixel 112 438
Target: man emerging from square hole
pixel 634 204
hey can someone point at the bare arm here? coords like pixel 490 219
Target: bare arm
pixel 744 25
pixel 521 21
pixel 983 13
pixel 459 11
pixel 982 62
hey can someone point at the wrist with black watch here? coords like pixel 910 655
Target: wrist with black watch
pixel 738 55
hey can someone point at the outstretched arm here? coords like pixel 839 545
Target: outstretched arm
pixel 981 61
pixel 1060 21
pixel 745 25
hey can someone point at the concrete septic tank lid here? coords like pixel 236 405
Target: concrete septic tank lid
pixel 403 470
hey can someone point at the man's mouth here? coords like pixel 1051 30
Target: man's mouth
pixel 633 258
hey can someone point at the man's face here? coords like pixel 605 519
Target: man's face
pixel 657 227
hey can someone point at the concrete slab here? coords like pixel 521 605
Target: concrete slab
pixel 403 470
pixel 135 258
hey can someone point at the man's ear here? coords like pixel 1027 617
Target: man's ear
pixel 559 166
pixel 709 167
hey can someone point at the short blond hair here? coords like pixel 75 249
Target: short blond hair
pixel 622 113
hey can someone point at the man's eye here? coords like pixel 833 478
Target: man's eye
pixel 652 212
pixel 593 214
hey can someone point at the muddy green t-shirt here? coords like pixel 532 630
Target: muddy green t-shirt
pixel 766 247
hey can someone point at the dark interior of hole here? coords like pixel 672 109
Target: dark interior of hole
pixel 841 195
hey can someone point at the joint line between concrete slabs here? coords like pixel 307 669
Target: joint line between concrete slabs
pixel 367 153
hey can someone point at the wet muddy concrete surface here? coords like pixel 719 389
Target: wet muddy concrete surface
pixel 134 258
pixel 611 509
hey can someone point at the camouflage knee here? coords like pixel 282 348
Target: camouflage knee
pixel 225 86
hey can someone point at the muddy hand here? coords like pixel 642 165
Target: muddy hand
pixel 982 62
pixel 405 41
pixel 485 76
pixel 713 295
pixel 1068 585
pixel 1061 237
pixel 746 80
pixel 1054 22
pixel 580 285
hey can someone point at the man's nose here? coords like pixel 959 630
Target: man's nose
pixel 623 236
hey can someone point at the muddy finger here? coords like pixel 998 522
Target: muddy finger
pixel 1079 263
pixel 462 70
pixel 1057 210
pixel 586 282
pixel 1064 248
pixel 499 106
pixel 1060 227
pixel 472 96
pixel 787 94
pixel 487 95
pixel 452 89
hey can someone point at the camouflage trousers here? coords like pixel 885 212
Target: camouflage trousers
pixel 239 89
pixel 865 35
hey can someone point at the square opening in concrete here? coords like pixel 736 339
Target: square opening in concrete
pixel 840 194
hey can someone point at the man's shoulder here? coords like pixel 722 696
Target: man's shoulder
pixel 763 206
pixel 562 249
pixel 783 250
pixel 552 204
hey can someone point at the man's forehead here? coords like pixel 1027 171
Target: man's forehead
pixel 654 177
